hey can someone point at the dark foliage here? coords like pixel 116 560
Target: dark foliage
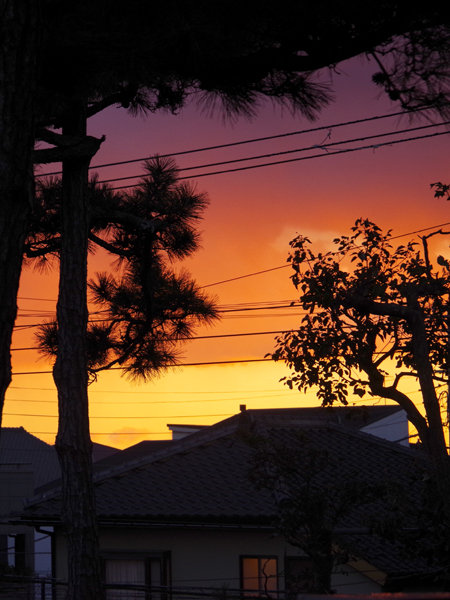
pixel 317 498
pixel 231 56
pixel 370 308
pixel 146 310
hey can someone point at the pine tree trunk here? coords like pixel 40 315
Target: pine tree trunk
pixel 73 442
pixel 19 20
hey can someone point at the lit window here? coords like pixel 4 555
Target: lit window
pixel 259 575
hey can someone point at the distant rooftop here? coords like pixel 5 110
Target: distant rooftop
pixel 355 417
pixel 203 479
pixel 17 446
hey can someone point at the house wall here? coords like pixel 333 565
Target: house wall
pixel 43 553
pixel 209 558
pixel 392 428
pixel 16 483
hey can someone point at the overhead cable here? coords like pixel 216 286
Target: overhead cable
pixel 284 152
pixel 301 158
pixel 242 142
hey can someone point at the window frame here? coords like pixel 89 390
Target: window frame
pixel 165 559
pixel 261 590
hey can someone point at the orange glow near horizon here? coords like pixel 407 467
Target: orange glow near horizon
pixel 247 228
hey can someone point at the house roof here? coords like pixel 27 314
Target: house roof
pixel 17 446
pixel 130 454
pixel 206 473
pixel 203 480
pixel 102 452
pixel 355 417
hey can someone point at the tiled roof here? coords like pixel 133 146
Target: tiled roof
pixel 102 452
pixel 204 479
pixel 17 446
pixel 132 453
pixel 355 417
pixel 206 474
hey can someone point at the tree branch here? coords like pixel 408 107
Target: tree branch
pixel 389 354
pixel 403 374
pixel 377 387
pixel 34 251
pixel 385 309
pixel 67 148
pixel 123 97
pixel 119 218
pixel 57 139
pixel 110 247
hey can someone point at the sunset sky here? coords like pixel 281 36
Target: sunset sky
pixel 252 217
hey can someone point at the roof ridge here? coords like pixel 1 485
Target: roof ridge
pixel 358 433
pixel 224 429
pixel 22 430
pixel 178 446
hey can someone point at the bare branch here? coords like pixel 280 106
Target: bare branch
pixel 378 388
pixel 123 97
pixel 85 147
pixel 399 376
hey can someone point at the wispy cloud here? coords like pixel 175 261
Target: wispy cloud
pixel 127 436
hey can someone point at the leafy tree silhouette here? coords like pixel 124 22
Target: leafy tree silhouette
pixel 370 306
pixel 315 497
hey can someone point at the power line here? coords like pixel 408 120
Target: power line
pixel 242 142
pixel 41 389
pixel 395 237
pixel 227 316
pixel 284 152
pixel 142 403
pixel 288 265
pixel 301 158
pixel 196 364
pixel 122 417
pixel 267 270
pixel 199 337
pixel 244 276
pixel 226 308
pixel 43 299
pixel 109 433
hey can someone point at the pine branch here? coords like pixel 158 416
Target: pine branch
pixel 66 148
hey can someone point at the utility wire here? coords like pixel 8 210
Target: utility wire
pixel 284 152
pixel 122 417
pixel 244 276
pixel 242 142
pixel 109 433
pixel 244 307
pixel 199 337
pixel 196 364
pixel 298 313
pixel 289 265
pixel 301 158
pixel 145 402
pixel 41 389
pixel 417 231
